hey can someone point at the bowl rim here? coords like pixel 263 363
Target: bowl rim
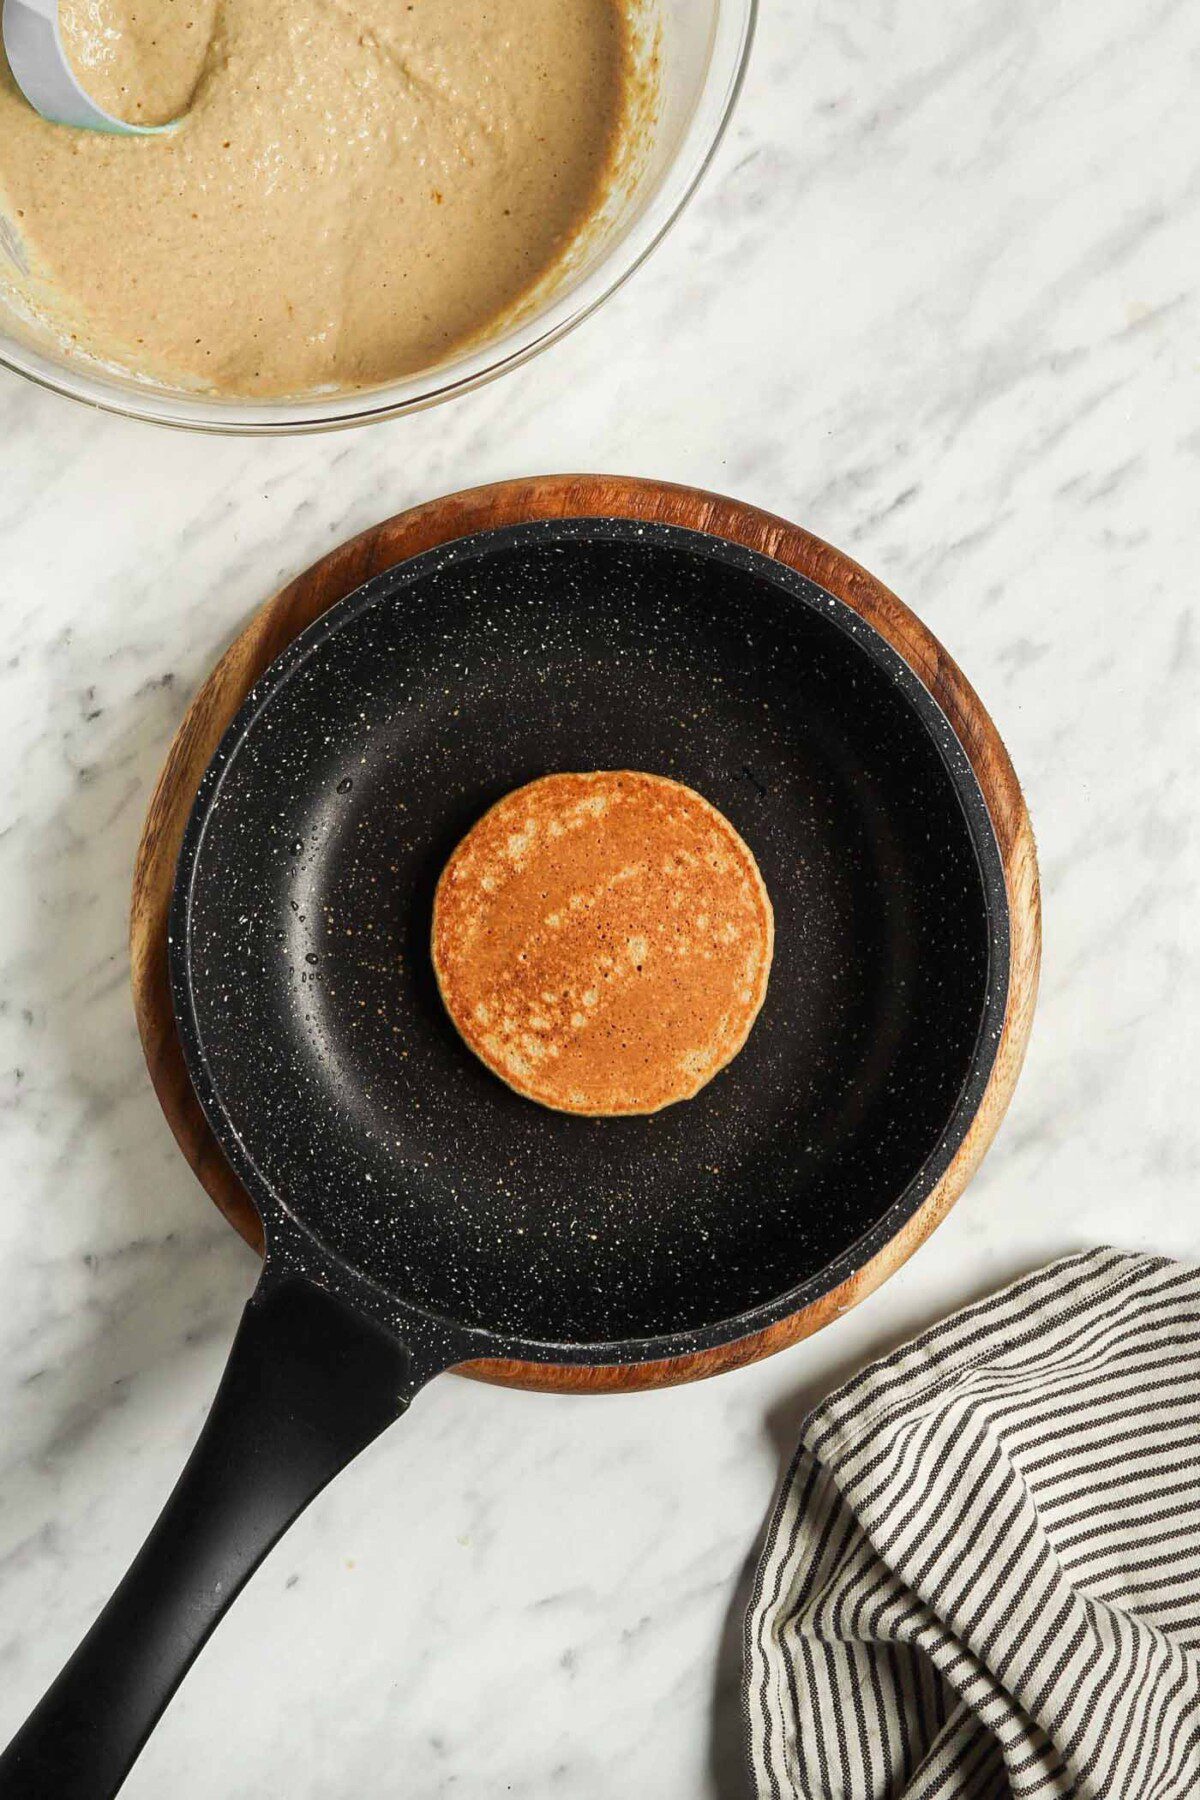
pixel 728 57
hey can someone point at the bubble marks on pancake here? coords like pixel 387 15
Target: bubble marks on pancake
pixel 603 941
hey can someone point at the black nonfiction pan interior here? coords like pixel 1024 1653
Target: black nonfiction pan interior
pixel 417 1212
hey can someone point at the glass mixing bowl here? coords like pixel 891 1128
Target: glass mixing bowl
pixel 702 49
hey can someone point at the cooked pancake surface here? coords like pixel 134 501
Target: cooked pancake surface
pixel 603 941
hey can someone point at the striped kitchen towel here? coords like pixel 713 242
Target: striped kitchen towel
pixel 983 1574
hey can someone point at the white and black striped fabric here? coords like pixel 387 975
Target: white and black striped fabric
pixel 983 1574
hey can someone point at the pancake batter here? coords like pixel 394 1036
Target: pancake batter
pixel 603 941
pixel 356 188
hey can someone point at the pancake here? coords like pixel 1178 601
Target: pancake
pixel 603 941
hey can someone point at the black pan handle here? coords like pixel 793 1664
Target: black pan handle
pixel 309 1383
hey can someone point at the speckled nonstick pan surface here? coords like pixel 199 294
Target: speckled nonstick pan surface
pixel 417 1213
pixel 304 995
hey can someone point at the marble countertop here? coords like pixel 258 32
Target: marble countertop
pixel 937 300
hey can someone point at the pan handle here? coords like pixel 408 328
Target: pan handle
pixel 309 1383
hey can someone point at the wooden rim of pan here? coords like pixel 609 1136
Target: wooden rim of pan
pixel 441 521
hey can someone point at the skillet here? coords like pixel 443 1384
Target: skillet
pixel 417 1214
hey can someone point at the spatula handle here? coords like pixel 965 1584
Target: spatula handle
pixel 308 1384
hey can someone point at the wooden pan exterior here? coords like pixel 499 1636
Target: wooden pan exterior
pixel 510 503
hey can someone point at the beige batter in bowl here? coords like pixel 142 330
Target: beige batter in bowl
pixel 700 47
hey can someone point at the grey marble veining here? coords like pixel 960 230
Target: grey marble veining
pixel 938 300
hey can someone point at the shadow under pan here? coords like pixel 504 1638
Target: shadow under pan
pixel 369 749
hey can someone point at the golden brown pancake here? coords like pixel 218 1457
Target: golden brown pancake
pixel 602 942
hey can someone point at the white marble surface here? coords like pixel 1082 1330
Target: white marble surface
pixel 938 301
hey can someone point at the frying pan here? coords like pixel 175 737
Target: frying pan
pixel 417 1214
